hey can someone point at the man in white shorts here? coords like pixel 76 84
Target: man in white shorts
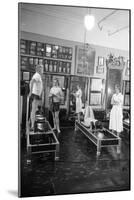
pixel 36 92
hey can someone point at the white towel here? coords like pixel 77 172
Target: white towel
pixel 88 113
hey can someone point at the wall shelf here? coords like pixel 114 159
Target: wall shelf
pixel 56 59
pixel 42 57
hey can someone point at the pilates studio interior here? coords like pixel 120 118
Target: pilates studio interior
pixel 87 51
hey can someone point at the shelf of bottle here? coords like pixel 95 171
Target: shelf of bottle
pixel 49 73
pixel 48 58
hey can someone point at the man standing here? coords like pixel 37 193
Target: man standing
pixel 36 93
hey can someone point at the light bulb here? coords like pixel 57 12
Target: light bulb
pixel 89 21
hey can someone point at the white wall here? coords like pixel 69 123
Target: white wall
pixel 36 20
pixel 100 50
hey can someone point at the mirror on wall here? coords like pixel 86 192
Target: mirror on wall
pixel 114 76
pixel 74 81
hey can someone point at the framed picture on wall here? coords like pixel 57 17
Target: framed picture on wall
pixel 85 60
pixel 100 61
pixel 95 99
pixel 96 84
pixel 26 76
pixel 100 69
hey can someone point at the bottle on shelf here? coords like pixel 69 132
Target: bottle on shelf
pixel 31 63
pixel 64 67
pixel 66 53
pixel 46 65
pixel 36 61
pixel 50 66
pixel 40 61
pixel 55 66
pixel 68 68
pixel 63 53
pixel 60 67
pixel 60 52
pixel 70 54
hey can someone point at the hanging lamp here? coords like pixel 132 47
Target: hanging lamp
pixel 89 20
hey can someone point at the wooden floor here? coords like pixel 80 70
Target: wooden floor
pixel 78 170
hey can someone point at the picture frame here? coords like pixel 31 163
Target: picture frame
pixel 85 60
pixel 26 76
pixel 100 69
pixel 100 61
pixel 95 99
pixel 96 84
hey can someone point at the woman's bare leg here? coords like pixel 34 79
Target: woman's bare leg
pixel 54 120
pixel 78 117
pixel 118 134
pixel 35 104
pixel 57 120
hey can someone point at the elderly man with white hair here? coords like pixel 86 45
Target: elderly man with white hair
pixel 36 92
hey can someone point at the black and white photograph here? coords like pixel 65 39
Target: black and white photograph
pixel 74 99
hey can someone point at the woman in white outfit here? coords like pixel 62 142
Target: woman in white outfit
pixel 78 96
pixel 116 115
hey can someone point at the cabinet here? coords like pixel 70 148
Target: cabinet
pixel 56 59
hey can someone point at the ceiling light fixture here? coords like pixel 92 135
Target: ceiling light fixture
pixel 89 21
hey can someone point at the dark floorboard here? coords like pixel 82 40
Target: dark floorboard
pixel 78 169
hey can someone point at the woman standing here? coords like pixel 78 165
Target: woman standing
pixel 116 115
pixel 55 96
pixel 78 96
